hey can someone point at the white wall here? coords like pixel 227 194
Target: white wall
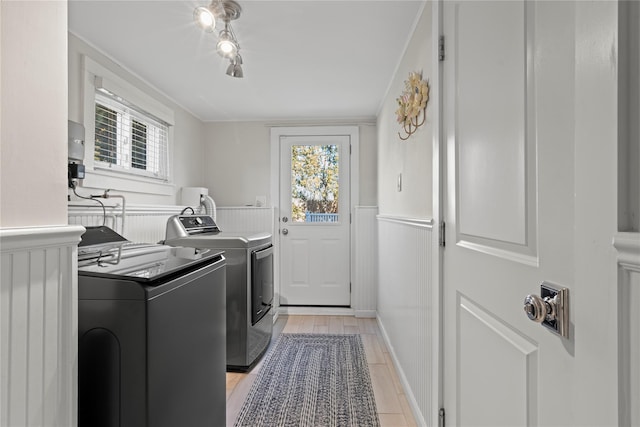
pixel 187 160
pixel 38 314
pixel 33 114
pixel 237 162
pixel 411 158
pixel 406 310
pixel 368 165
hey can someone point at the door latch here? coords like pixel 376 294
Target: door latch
pixel 551 308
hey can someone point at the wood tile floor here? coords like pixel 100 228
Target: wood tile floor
pixel 391 402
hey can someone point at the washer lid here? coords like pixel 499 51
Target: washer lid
pixel 145 263
pixel 99 238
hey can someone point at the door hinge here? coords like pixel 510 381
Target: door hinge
pixel 350 286
pixel 442 231
pixel 441 414
pixel 441 48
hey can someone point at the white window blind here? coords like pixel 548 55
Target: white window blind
pixel 129 140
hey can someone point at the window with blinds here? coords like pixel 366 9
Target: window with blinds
pixel 129 140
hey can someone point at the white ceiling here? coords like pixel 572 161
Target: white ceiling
pixel 303 59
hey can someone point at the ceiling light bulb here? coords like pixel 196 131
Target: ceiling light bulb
pixel 204 18
pixel 227 46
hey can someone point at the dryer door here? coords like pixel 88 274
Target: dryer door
pixel 261 283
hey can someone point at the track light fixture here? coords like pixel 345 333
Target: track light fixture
pixel 227 46
pixel 204 18
pixel 235 69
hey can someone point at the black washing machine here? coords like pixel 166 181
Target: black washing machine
pixel 151 327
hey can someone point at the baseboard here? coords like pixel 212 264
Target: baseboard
pixel 324 311
pixel 370 314
pixel 315 311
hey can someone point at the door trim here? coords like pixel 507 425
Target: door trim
pixel 276 133
pixel 439 194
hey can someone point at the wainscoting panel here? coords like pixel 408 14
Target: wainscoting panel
pixel 147 227
pixel 628 247
pixel 364 296
pixel 39 323
pixel 147 223
pixel 407 308
pixel 88 217
pixel 245 219
pixel 142 223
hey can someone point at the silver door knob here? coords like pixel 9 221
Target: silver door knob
pixel 285 231
pixel 536 308
pixel 551 308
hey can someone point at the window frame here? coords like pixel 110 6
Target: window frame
pixel 126 118
pixel 97 174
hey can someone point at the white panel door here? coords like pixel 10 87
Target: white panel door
pixel 509 126
pixel 314 221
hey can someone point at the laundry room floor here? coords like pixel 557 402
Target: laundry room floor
pixel 391 402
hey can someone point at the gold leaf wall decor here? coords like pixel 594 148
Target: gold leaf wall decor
pixel 412 104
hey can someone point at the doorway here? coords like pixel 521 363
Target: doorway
pixel 314 201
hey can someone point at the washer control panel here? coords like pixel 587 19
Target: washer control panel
pixel 190 225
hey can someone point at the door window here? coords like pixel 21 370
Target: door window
pixel 314 183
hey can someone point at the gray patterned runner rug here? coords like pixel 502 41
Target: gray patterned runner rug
pixel 312 380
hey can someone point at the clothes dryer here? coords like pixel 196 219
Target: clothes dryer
pixel 249 289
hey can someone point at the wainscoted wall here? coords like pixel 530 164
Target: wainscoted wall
pixel 147 223
pixel 628 247
pixel 364 297
pixel 406 307
pixel 142 223
pixel 246 219
pixel 38 318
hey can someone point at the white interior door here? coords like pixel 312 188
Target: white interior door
pixel 315 221
pixel 509 108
